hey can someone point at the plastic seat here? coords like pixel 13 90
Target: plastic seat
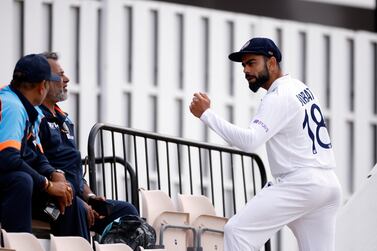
pixel 210 228
pixel 171 226
pixel 142 249
pixel 64 243
pixel 112 247
pixel 21 241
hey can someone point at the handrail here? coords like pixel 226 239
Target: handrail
pixel 99 129
pixel 101 126
pixel 111 159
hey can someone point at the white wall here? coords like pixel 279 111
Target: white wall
pixel 359 217
pixel 368 4
pixel 106 85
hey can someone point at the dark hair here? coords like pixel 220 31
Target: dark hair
pixel 50 55
pixel 266 58
pixel 18 82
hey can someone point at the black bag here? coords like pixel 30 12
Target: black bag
pixel 132 230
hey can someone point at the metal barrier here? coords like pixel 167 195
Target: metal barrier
pixel 113 161
pixel 175 165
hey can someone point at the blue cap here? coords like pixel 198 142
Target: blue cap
pixel 33 68
pixel 258 45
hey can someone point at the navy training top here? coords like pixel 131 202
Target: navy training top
pixel 58 141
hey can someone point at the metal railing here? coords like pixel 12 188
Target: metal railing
pixel 229 177
pixel 113 161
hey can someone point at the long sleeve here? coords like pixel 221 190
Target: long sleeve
pixel 13 125
pixel 10 160
pixel 271 116
pixel 246 139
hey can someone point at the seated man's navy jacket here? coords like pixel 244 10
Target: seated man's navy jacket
pixel 20 148
pixel 58 141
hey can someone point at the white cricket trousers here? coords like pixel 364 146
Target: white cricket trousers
pixel 305 200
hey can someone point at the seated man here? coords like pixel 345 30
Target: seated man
pixel 23 167
pixel 57 138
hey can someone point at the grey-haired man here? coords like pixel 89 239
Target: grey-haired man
pixel 58 138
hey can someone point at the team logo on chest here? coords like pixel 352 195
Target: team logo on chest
pixel 53 125
pixel 67 132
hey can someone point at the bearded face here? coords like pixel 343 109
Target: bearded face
pixel 61 94
pixel 258 80
pixel 256 71
pixel 58 89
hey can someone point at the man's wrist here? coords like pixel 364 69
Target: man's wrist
pixel 57 172
pixel 203 116
pixel 91 195
pixel 45 184
pixel 48 184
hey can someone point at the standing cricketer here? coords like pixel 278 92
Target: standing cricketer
pixel 306 194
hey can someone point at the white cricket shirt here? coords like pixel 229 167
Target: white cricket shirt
pixel 289 120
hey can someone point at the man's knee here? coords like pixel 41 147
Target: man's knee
pixel 22 182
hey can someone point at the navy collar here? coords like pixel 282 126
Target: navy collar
pixel 60 115
pixel 30 109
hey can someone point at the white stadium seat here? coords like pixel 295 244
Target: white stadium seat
pixel 210 228
pixel 142 249
pixel 171 226
pixel 112 247
pixel 65 243
pixel 21 241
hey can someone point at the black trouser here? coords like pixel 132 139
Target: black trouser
pixel 16 190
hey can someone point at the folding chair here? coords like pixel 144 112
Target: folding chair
pixel 142 249
pixel 112 247
pixel 21 241
pixel 210 228
pixel 171 226
pixel 64 243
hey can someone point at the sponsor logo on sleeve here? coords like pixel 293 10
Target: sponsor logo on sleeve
pixel 259 122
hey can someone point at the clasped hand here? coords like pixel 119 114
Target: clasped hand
pixel 62 190
pixel 199 104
